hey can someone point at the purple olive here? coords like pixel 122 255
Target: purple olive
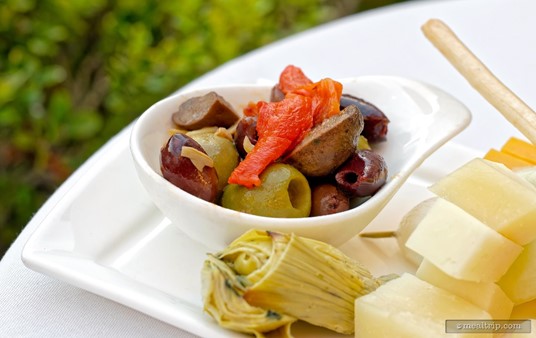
pixel 181 172
pixel 375 128
pixel 276 94
pixel 362 174
pixel 247 126
pixel 327 199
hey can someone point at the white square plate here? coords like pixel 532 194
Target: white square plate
pixel 106 236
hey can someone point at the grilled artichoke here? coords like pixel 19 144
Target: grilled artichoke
pixel 266 280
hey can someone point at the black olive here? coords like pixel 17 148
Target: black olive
pixel 375 121
pixel 246 127
pixel 327 199
pixel 362 174
pixel 181 172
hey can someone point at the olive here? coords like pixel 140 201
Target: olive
pixel 327 199
pixel 362 174
pixel 276 94
pixel 247 126
pixel 181 171
pixel 222 151
pixel 375 121
pixel 284 192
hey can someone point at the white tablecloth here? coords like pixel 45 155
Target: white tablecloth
pixel 383 41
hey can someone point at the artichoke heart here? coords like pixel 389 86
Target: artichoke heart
pixel 223 290
pixel 265 280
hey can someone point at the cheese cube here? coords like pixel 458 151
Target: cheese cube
pixel 487 296
pixel 519 282
pixel 462 246
pixel 409 307
pixel 495 195
pixel 520 149
pixel 525 310
pixel 510 161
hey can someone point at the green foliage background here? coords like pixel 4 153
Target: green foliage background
pixel 75 72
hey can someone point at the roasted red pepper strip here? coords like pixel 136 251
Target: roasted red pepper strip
pixel 279 126
pixel 265 152
pixel 292 78
pixel 282 125
pixel 325 95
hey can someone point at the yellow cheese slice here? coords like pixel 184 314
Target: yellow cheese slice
pixel 521 149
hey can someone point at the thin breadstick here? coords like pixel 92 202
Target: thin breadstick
pixel 517 112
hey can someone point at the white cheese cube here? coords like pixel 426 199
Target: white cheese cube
pixel 487 296
pixel 495 195
pixel 519 282
pixel 412 308
pixel 462 246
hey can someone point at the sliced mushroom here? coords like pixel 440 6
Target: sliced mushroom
pixel 329 144
pixel 205 111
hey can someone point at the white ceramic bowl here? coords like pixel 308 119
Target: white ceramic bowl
pixel 422 119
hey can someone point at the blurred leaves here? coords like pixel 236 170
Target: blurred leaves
pixel 75 72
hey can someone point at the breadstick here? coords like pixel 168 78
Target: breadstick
pixel 517 112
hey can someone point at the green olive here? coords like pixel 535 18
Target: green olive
pixel 284 192
pixel 222 151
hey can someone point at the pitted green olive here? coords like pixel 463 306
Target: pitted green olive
pixel 284 192
pixel 222 151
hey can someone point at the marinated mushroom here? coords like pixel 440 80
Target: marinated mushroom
pixel 205 111
pixel 329 144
